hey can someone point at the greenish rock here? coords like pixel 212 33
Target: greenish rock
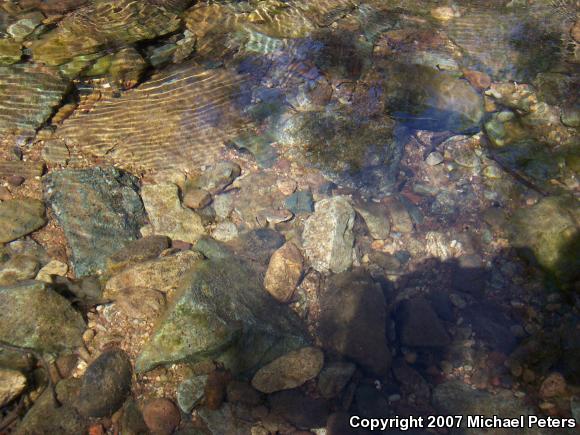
pixel 427 99
pixel 376 217
pixel 19 217
pixel 571 116
pixel 25 25
pixel 37 317
pixel 18 268
pixel 300 202
pixel 38 89
pixel 48 417
pixel 221 312
pixel 137 251
pixel 10 51
pixel 190 393
pixel 99 210
pixel 105 384
pixel 548 233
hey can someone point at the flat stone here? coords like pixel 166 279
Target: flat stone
pixel 99 210
pixel 137 251
pixel 37 317
pixel 300 202
pixel 328 237
pixel 163 274
pixel 168 216
pixel 12 168
pixel 289 371
pixel 220 312
pixel 284 272
pixel 196 198
pixel 105 384
pixel 55 151
pixel 302 411
pixel 140 303
pixel 419 325
pixel 353 321
pixel 19 217
pixel 12 383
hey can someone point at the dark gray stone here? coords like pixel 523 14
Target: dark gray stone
pixel 300 202
pixel 419 325
pixel 100 211
pixel 298 409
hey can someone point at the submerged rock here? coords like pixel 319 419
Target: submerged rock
pixel 221 312
pixel 34 316
pixel 420 326
pixel 12 383
pixel 284 272
pixel 99 210
pixel 19 217
pixel 328 237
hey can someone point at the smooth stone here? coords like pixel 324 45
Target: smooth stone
pixel 196 198
pixel 132 422
pixel 221 312
pixel 289 371
pixel 19 217
pixel 168 216
pixel 298 409
pixel 19 268
pixel 225 231
pixel 334 377
pixel 162 274
pixel 99 210
pixel 284 272
pixel 300 202
pixel 190 393
pixel 12 384
pixel 137 251
pixel 217 177
pixel 105 384
pixel 376 218
pixel 54 267
pixel 37 317
pixel 161 416
pixel 328 237
pixel 419 325
pixel 353 321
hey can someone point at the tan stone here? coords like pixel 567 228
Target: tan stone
pixel 54 267
pixel 12 383
pixel 284 272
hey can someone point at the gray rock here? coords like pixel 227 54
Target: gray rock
pixel 300 202
pixel 434 158
pixel 353 321
pixel 225 421
pixel 190 392
pixel 218 177
pixel 25 25
pixel 289 371
pixel 223 205
pixel 37 317
pixel 225 231
pixel 12 383
pixel 334 377
pixel 220 311
pixel 99 210
pixel 19 268
pixel 400 218
pixel 137 251
pixel 376 216
pixel 328 237
pixel 298 409
pixel 19 217
pixel 419 325
pixel 105 384
pixel 168 216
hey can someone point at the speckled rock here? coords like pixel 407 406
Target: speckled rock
pixel 190 392
pixel 105 384
pixel 99 210
pixel 54 267
pixel 328 237
pixel 219 311
pixel 168 216
pixel 289 371
pixel 12 383
pixel 19 217
pixel 284 272
pixel 20 267
pixel 37 317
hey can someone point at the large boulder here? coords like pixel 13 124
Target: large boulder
pixel 100 211
pixel 220 311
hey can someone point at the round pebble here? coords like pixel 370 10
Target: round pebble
pixel 161 416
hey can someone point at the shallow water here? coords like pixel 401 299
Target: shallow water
pixel 451 127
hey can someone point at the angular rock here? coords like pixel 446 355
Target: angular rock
pixel 225 231
pixel 220 311
pixel 289 371
pixel 196 198
pixel 334 377
pixel 38 90
pixel 12 383
pixel 19 217
pixel 400 218
pixel 284 272
pixel 300 202
pixel 376 217
pixel 190 393
pixel 19 268
pixel 55 152
pixel 137 251
pixel 163 274
pixel 37 317
pixel 217 177
pixel 99 210
pixel 353 321
pixel 54 267
pixel 168 216
pixel 328 237
pixel 419 325
pixel 105 384
pixel 19 168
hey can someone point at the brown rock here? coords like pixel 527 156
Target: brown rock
pixel 140 303
pixel 137 251
pixel 161 416
pixel 238 391
pixel 5 194
pixel 478 80
pixel 215 389
pixel 196 198
pixel 575 32
pixel 284 272
pixel 554 385
pixel 289 371
pixel 15 180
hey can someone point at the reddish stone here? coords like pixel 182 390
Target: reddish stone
pixel 478 80
pixel 161 416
